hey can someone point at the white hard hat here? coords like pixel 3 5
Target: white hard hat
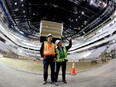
pixel 49 35
pixel 57 41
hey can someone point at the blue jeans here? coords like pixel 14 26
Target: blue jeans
pixel 52 67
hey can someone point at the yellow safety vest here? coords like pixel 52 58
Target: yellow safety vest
pixel 49 49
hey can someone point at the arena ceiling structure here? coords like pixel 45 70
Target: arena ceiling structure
pixel 76 15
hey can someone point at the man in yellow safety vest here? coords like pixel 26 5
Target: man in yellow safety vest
pixel 47 52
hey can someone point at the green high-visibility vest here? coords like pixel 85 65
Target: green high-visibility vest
pixel 61 57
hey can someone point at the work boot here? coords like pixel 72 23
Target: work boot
pixel 65 82
pixel 45 82
pixel 52 82
pixel 56 84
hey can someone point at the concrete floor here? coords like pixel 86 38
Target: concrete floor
pixel 104 76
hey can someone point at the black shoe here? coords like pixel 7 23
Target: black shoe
pixel 65 82
pixel 52 82
pixel 45 83
pixel 56 84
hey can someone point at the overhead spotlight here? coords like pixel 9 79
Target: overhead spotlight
pixel 56 6
pixel 76 12
pixel 21 0
pixel 23 11
pixel 92 2
pixel 22 5
pixel 33 13
pixel 16 9
pixel 76 19
pixel 15 3
pixel 85 22
pixel 82 12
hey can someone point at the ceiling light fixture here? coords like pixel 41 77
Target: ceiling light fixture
pixel 23 11
pixel 15 3
pixel 82 13
pixel 21 0
pixel 22 5
pixel 16 9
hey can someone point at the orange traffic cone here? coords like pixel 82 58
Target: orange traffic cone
pixel 73 72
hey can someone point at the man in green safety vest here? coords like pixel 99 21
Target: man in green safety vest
pixel 61 59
